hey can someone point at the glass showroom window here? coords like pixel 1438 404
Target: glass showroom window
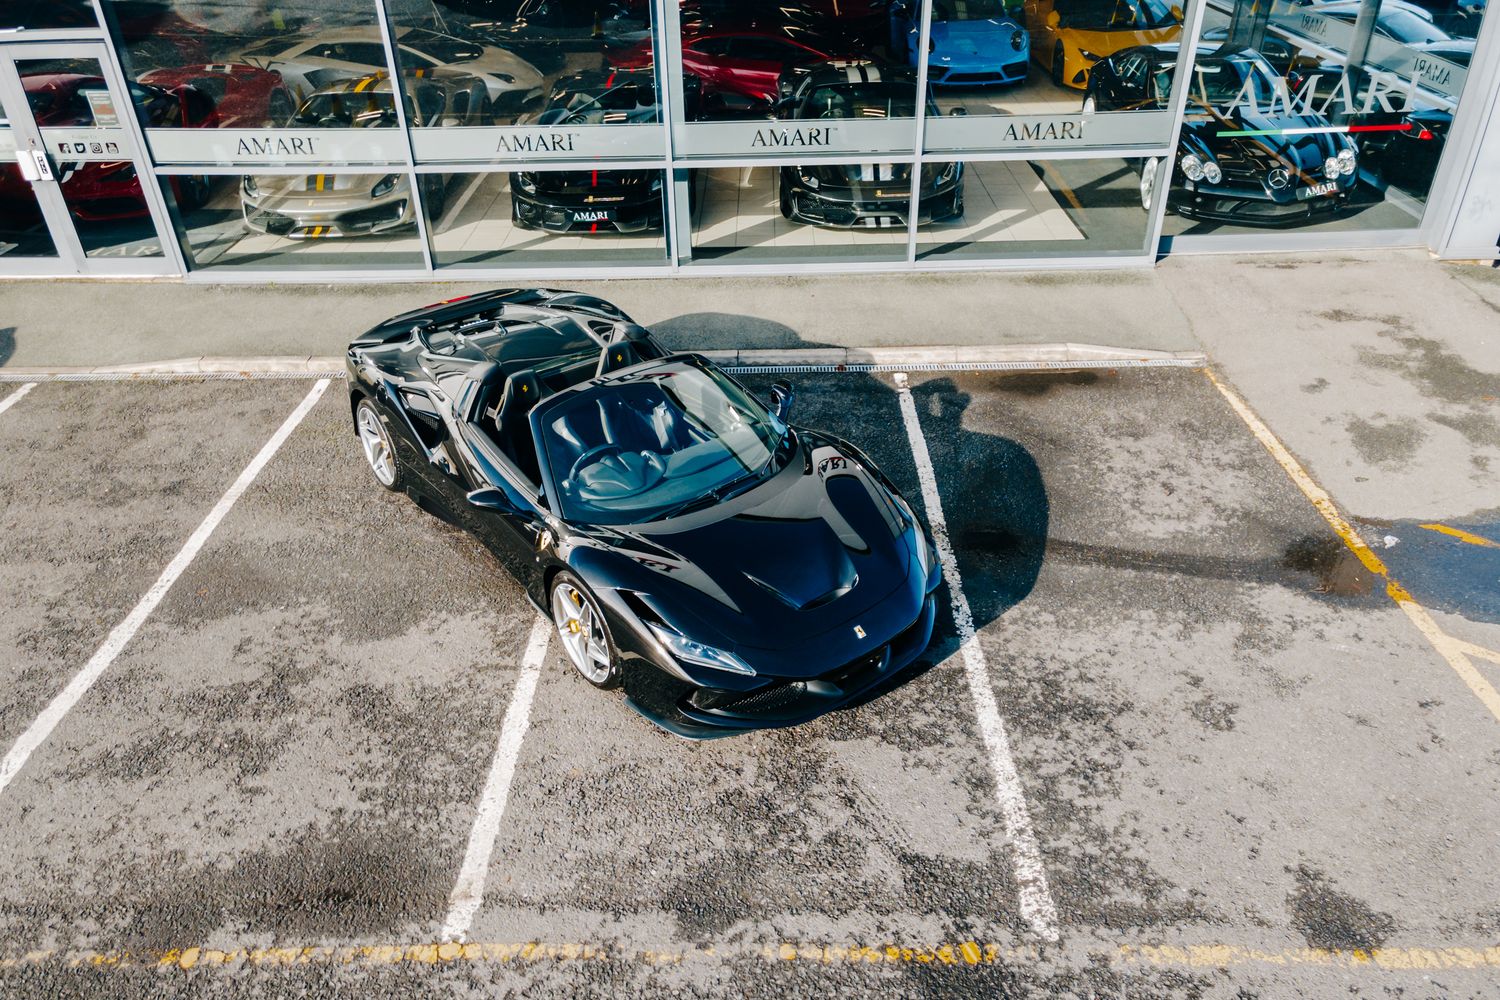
pixel 1043 208
pixel 554 139
pixel 807 212
pixel 1320 117
pixel 298 96
pixel 47 14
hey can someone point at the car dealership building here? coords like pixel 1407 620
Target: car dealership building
pixel 256 140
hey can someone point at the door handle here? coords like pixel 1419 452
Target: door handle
pixel 34 165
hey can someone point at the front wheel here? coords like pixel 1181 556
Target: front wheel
pixel 1058 59
pixel 1149 170
pixel 585 636
pixel 376 442
pixel 788 209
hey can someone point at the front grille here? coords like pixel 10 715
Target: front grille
pixel 368 218
pixel 767 700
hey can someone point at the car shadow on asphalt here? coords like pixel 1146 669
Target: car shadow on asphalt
pixel 991 489
pixel 7 344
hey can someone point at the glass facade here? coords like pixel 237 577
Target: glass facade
pixel 414 136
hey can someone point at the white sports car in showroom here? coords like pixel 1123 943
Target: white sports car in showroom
pixel 308 65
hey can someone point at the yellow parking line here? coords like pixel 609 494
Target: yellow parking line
pixel 1449 648
pixel 958 954
pixel 1467 537
pixel 1479 651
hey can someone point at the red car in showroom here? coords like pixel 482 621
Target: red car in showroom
pixel 746 61
pixel 220 96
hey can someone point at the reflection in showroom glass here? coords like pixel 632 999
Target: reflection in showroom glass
pixel 100 186
pixel 1317 116
pixel 1035 208
pixel 814 211
pixel 306 221
pixel 570 217
pixel 23 231
pixel 37 14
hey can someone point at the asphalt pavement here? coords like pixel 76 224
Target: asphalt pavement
pixel 1242 767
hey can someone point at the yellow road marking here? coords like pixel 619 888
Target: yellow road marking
pixel 1449 648
pixel 1479 651
pixel 959 954
pixel 1466 537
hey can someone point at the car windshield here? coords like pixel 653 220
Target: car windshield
pixel 967 10
pixel 1119 15
pixel 1220 82
pixel 893 99
pixel 348 111
pixel 626 102
pixel 651 445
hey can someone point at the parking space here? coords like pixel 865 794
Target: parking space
pixel 1227 738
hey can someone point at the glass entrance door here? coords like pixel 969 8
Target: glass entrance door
pixel 76 195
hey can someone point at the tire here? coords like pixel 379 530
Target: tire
pixel 1057 64
pixel 380 450
pixel 1149 170
pixel 436 197
pixel 584 633
pixel 787 209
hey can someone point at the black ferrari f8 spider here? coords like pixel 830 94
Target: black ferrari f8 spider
pixel 732 571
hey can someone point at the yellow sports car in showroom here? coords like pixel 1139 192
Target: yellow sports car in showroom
pixel 1069 36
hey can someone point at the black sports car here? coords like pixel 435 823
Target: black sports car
pixel 1241 156
pixel 861 194
pixel 592 201
pixel 732 571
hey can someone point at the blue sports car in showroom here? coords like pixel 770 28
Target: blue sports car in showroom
pixel 973 43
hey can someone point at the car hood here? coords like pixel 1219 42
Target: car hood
pixel 1303 152
pixel 973 37
pixel 314 185
pixel 854 174
pixel 793 564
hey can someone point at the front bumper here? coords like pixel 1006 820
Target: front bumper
pixel 562 213
pixel 1254 206
pixel 328 217
pixel 980 74
pixel 706 713
pixel 874 207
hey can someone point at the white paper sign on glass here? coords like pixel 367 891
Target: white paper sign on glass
pixel 241 147
pixel 539 143
pixel 72 145
pixel 1042 133
pixel 853 137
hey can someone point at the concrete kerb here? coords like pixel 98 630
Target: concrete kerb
pixel 1016 357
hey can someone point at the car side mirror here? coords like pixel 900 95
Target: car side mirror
pixel 1176 12
pixel 782 394
pixel 1054 19
pixel 490 498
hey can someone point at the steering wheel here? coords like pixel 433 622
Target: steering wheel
pixel 593 455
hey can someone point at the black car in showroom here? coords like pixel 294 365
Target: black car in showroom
pixel 732 571
pixel 872 195
pixel 1241 157
pixel 594 201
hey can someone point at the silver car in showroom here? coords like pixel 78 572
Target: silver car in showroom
pixel 319 206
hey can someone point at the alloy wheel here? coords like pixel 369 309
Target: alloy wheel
pixel 581 629
pixel 376 442
pixel 1148 182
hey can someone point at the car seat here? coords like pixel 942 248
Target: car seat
pixel 620 354
pixel 512 429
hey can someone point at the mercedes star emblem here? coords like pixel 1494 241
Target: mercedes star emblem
pixel 1278 178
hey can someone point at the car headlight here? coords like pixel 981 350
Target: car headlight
pixel 1331 168
pixel 1018 40
pixel 249 186
pixel 699 653
pixel 525 183
pixel 1212 173
pixel 1346 161
pixel 808 179
pixel 1192 166
pixel 656 182
pixel 504 77
pixel 385 185
pixel 1089 55
pixel 949 171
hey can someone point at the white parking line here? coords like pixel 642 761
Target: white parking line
pixel 468 891
pixel 1031 875
pixel 16 396
pixel 39 730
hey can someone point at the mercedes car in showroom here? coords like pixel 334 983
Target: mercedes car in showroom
pixel 1241 157
pixel 730 570
pixel 315 206
pixel 870 195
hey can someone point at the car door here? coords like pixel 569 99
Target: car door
pixel 516 535
pixel 755 63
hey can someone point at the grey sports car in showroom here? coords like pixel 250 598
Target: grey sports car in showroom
pixel 314 206
pixel 730 570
